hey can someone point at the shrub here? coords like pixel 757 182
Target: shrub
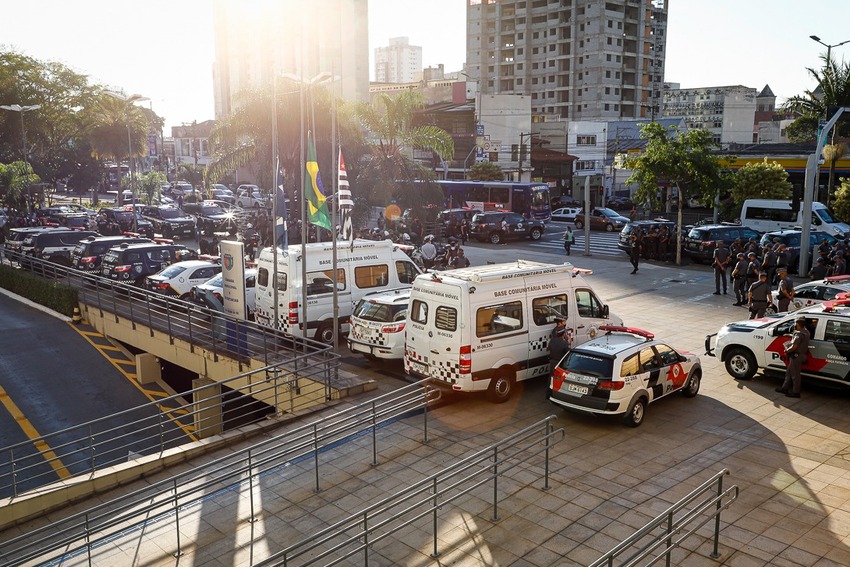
pixel 49 293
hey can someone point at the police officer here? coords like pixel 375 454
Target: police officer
pixel 634 252
pixel 819 271
pixel 428 251
pixel 759 297
pixel 558 343
pixel 752 269
pixel 739 280
pixel 797 349
pixel 720 263
pixel 785 290
pixel 768 264
pixel 839 267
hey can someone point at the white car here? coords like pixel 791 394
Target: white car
pixel 621 372
pixel 565 214
pixel 211 292
pixel 250 197
pixel 377 325
pixel 813 293
pixel 747 346
pixel 177 280
pixel 222 193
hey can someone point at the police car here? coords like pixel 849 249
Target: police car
pixel 747 346
pixel 813 293
pixel 177 280
pixel 621 372
pixel 377 325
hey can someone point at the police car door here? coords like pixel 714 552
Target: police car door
pixel 588 315
pixel 517 223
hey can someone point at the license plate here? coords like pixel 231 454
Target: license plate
pixel 418 367
pixel 576 389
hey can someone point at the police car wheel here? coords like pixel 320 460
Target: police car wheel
pixel 741 364
pixel 501 387
pixel 536 233
pixel 495 238
pixel 636 413
pixel 692 386
pixel 770 310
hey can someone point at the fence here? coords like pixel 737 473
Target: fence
pixel 167 500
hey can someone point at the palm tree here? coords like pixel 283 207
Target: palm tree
pixel 833 90
pixel 109 136
pixel 393 135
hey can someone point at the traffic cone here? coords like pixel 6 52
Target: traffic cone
pixel 77 318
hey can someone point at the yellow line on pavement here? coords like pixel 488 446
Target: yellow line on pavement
pixel 31 432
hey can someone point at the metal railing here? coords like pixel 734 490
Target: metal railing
pixel 359 532
pixel 292 367
pixel 661 536
pixel 171 499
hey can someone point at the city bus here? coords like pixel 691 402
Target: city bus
pixel 531 200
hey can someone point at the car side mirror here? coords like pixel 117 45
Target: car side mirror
pixel 604 311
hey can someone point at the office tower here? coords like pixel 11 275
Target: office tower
pixel 399 62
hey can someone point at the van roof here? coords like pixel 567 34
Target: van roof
pixel 510 270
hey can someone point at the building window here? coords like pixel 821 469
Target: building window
pixel 607 90
pixel 607 107
pixel 607 74
pixel 585 165
pixel 587 140
pixel 608 57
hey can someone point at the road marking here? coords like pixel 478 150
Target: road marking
pixel 31 432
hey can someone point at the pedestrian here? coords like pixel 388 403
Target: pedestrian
pixel 633 214
pixel 819 271
pixel 503 225
pixel 739 280
pixel 634 252
pixel 768 264
pixel 759 296
pixel 569 239
pixel 180 201
pixel 464 231
pixel 720 263
pixel 796 351
pixel 428 251
pixel 460 260
pixel 785 290
pixel 558 343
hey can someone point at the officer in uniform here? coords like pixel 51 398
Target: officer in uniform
pixel 428 251
pixel 739 280
pixel 558 343
pixel 785 291
pixel 797 349
pixel 839 267
pixel 720 263
pixel 819 271
pixel 634 252
pixel 752 269
pixel 768 264
pixel 759 297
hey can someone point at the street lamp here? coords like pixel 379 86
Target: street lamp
pixel 828 47
pixel 21 110
pixel 129 100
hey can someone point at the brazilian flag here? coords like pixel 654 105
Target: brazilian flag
pixel 317 208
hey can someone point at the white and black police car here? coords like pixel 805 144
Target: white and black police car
pixel 747 346
pixel 621 372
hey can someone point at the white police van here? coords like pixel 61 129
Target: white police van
pixel 767 215
pixel 487 327
pixel 363 267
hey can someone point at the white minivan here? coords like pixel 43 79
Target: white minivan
pixel 768 215
pixel 484 328
pixel 363 267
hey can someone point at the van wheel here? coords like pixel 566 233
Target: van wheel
pixel 741 364
pixel 692 386
pixel 325 334
pixel 495 238
pixel 536 233
pixel 636 413
pixel 501 387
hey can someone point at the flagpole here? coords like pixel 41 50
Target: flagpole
pixel 276 167
pixel 304 227
pixel 334 207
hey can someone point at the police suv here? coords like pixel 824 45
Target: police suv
pixel 747 346
pixel 621 372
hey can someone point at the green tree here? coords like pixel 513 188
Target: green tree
pixel 679 159
pixel 119 129
pixel 391 172
pixel 841 203
pixel 761 180
pixel 485 171
pixel 16 179
pixel 149 186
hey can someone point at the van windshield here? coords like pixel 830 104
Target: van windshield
pixel 825 215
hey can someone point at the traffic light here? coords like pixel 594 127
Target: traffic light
pixel 796 197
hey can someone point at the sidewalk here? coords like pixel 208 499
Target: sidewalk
pixel 789 459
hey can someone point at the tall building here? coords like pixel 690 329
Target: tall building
pixel 254 39
pixel 575 59
pixel 400 62
pixel 727 112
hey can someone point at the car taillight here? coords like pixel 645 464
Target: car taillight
pixel 218 296
pixel 121 269
pixel 293 312
pixel 88 260
pixel 161 285
pixel 708 244
pixel 392 328
pixel 465 359
pixel 610 385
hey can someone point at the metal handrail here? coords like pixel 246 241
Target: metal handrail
pixel 676 530
pixel 83 532
pixel 100 443
pixel 358 532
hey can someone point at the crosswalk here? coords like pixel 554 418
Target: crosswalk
pixel 601 243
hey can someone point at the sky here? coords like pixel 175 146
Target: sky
pixel 163 49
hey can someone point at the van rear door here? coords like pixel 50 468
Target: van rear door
pixel 433 343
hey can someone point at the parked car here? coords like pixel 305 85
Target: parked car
pixel 222 193
pixel 621 372
pixel 447 217
pixel 18 235
pixel 622 203
pixel 88 253
pixel 212 218
pixel 488 226
pixel 624 242
pixel 812 293
pixel 377 325
pixel 132 263
pixel 250 197
pixel 792 239
pixel 118 220
pixel 211 292
pixel 701 241
pixel 177 280
pixel 54 246
pixel 565 214
pixel 602 219
pixel 169 221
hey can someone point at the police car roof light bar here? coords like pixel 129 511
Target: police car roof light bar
pixel 838 279
pixel 830 306
pixel 631 330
